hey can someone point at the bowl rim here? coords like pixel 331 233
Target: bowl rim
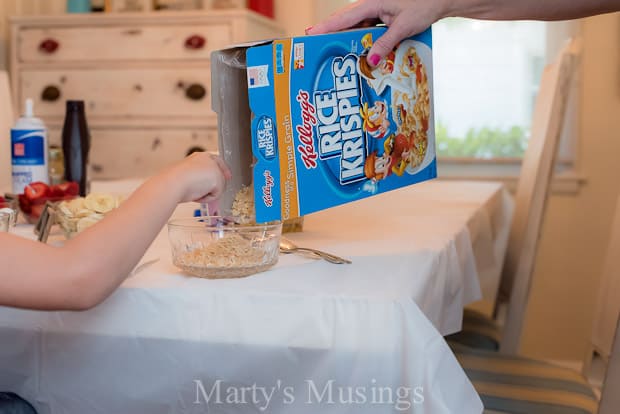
pixel 189 223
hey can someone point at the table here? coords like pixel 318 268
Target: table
pixel 368 333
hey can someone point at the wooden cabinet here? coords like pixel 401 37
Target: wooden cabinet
pixel 112 44
pixel 145 79
pixel 139 152
pixel 120 93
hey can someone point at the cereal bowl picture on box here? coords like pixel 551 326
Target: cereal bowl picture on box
pixel 395 113
pixel 406 76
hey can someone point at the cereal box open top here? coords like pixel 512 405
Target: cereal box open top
pixel 327 129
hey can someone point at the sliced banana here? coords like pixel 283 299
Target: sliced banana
pixel 100 203
pixel 87 222
pixel 73 208
pixel 81 213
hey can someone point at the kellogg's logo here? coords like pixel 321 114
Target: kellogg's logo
pixel 305 131
pixel 267 188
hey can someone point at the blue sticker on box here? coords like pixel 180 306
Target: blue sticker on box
pixel 328 129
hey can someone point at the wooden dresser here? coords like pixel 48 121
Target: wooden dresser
pixel 145 79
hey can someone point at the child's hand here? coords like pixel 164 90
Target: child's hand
pixel 201 176
pixel 404 18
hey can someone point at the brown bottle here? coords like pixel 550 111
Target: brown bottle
pixel 76 145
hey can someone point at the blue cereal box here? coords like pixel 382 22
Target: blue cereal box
pixel 327 129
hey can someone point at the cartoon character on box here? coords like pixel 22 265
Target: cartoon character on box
pixel 383 75
pixel 405 74
pixel 377 167
pixel 401 146
pixel 376 119
pixel 395 158
pixel 384 68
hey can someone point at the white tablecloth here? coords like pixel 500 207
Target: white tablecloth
pixel 323 338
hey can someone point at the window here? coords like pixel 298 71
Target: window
pixel 486 79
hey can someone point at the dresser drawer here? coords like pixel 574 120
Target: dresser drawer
pixel 120 94
pixel 122 153
pixel 123 43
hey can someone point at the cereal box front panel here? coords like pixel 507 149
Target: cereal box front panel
pixel 328 129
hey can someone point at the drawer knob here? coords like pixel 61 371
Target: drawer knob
pixel 195 42
pixel 194 149
pixel 49 46
pixel 50 94
pixel 196 92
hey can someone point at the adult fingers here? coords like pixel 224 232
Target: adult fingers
pixel 399 30
pixel 345 18
pixel 367 23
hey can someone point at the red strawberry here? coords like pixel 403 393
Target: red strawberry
pixel 69 188
pixel 56 191
pixel 36 191
pixel 24 204
pixel 37 209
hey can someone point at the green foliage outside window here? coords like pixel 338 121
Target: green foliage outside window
pixel 482 142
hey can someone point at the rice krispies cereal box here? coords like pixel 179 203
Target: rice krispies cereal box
pixel 328 129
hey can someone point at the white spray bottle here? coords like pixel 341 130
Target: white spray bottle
pixel 29 150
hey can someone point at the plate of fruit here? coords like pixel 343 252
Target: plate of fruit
pixel 78 214
pixel 36 195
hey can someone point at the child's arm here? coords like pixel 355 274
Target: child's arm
pixel 86 270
